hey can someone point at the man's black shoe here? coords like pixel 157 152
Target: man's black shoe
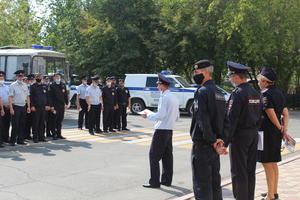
pixel 92 133
pixel 147 185
pixel 21 143
pixel 113 131
pixel 61 137
pixel 125 129
pixel 166 184
pixel 98 131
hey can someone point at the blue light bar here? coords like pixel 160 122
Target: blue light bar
pixel 36 46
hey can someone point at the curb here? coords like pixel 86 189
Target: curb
pixel 228 180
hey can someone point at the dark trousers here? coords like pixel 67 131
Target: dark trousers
pixel 122 116
pixel 28 125
pixel 18 124
pixel 206 172
pixel 49 123
pixel 108 113
pixel 59 117
pixel 5 125
pixel 38 122
pixel 83 113
pixel 161 149
pixel 243 152
pixel 94 118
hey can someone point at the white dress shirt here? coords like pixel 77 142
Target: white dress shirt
pixel 167 113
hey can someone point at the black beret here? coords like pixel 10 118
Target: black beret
pixel 268 73
pixel 201 64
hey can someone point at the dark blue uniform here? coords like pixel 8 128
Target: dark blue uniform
pixel 109 101
pixel 58 100
pixel 209 112
pixel 38 99
pixel 123 96
pixel 274 99
pixel 244 114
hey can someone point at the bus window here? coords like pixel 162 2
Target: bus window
pixel 2 63
pixel 39 65
pixel 15 63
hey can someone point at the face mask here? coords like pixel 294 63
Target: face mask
pixel 57 80
pixel 1 81
pixel 198 78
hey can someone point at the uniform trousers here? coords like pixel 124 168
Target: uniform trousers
pixel 5 124
pixel 206 172
pixel 18 124
pixel 38 123
pixel 243 156
pixel 122 119
pixel 59 117
pixel 83 113
pixel 94 118
pixel 161 149
pixel 108 113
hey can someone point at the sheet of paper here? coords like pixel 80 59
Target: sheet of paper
pixel 260 144
pixel 145 111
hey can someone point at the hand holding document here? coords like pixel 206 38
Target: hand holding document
pixel 145 113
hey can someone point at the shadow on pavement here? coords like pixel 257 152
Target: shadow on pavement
pixel 44 148
pixel 175 190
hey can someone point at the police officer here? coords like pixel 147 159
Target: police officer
pixel 81 103
pixel 18 99
pixel 109 105
pixel 38 99
pixel 161 146
pixel 4 94
pixel 93 100
pixel 206 130
pixel 244 114
pixel 29 80
pixel 123 103
pixel 59 102
pixel 49 116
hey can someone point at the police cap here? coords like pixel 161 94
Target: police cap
pixel 95 77
pixel 201 64
pixel 236 68
pixel 163 80
pixel 19 72
pixel 268 73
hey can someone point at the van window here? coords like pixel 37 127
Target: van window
pixel 151 82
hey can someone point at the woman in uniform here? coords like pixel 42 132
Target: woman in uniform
pixel 274 126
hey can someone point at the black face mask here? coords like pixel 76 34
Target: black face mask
pixel 198 78
pixel 38 80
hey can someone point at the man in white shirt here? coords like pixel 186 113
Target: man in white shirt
pixel 161 146
pixel 94 99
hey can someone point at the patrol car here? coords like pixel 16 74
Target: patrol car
pixel 144 92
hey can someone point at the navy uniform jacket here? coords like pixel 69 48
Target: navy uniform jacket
pixel 244 111
pixel 209 112
pixel 38 95
pixel 58 95
pixel 123 95
pixel 109 96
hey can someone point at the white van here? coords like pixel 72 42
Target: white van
pixel 144 92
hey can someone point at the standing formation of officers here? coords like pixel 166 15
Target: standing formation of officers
pixel 32 105
pixel 113 100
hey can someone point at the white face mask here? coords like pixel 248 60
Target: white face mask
pixel 2 82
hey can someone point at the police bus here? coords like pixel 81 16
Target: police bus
pixel 38 59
